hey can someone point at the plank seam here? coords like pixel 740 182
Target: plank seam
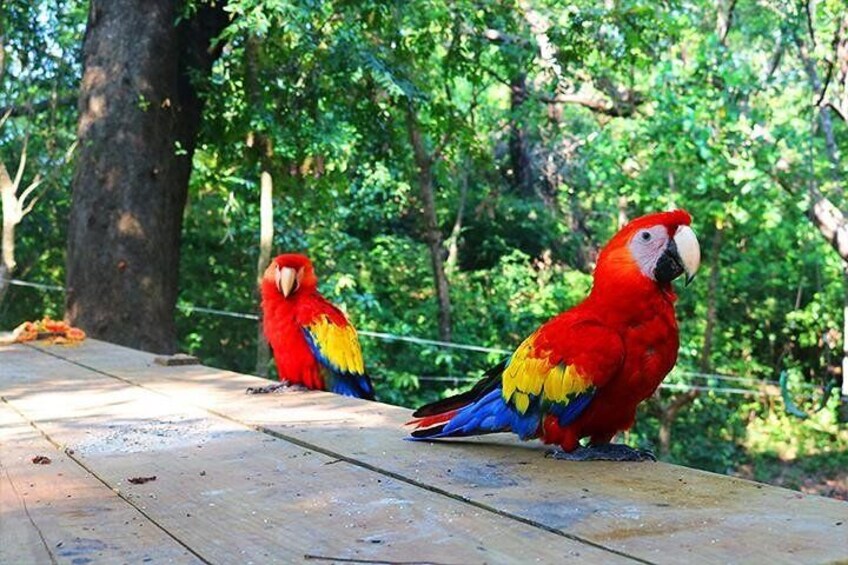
pixel 70 453
pixel 385 472
pixel 29 516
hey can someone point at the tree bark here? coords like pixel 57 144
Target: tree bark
pixel 622 212
pixel 10 220
pixel 844 388
pixel 712 301
pixel 424 163
pixel 260 146
pixel 266 238
pixel 724 19
pixel 13 206
pixel 453 240
pixel 519 150
pixel 668 412
pixel 667 415
pixel 827 216
pixel 139 118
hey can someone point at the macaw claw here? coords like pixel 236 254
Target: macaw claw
pixel 603 452
pixel 282 386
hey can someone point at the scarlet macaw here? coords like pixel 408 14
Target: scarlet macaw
pixel 583 373
pixel 313 343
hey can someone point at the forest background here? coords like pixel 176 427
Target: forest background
pixel 452 168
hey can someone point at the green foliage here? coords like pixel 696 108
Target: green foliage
pixel 39 75
pixel 320 94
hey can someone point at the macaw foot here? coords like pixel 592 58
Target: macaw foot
pixel 282 386
pixel 603 452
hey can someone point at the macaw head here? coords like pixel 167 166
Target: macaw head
pixel 291 274
pixel 658 247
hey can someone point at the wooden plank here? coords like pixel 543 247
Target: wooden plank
pixel 60 513
pixel 20 538
pixel 235 495
pixel 657 512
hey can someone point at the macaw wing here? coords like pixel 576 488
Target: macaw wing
pixel 561 377
pixel 338 352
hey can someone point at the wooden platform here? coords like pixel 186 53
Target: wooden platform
pixel 313 477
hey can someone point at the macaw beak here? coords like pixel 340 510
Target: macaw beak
pixel 683 255
pixel 286 280
pixel 688 251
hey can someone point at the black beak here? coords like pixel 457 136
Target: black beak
pixel 670 265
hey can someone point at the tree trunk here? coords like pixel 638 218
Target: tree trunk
pixel 724 18
pixel 669 412
pixel 139 118
pixel 827 217
pixel 712 301
pixel 266 239
pixel 667 416
pixel 432 233
pixel 622 212
pixel 10 219
pixel 519 150
pixel 14 207
pixel 453 240
pixel 844 389
pixel 260 147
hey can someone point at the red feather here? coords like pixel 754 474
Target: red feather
pixel 284 318
pixel 623 337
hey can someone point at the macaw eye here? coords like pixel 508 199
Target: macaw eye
pixel 646 236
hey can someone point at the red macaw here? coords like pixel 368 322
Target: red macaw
pixel 583 373
pixel 313 343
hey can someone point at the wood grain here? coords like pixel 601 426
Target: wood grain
pixel 60 513
pixel 656 512
pixel 234 494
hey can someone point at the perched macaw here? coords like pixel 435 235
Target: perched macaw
pixel 313 343
pixel 583 372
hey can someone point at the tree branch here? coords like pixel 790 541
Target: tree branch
pixel 500 38
pixel 843 115
pixel 21 165
pixel 827 79
pixel 625 109
pixel 825 215
pixel 680 401
pixel 440 147
pixel 824 111
pixel 725 21
pixel 775 60
pixel 30 108
pixel 26 208
pixel 5 117
pixel 811 30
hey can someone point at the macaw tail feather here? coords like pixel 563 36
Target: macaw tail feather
pixel 429 426
pixel 481 410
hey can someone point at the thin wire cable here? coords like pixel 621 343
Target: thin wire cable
pixel 17 282
pixel 422 341
pixel 203 310
pixel 190 308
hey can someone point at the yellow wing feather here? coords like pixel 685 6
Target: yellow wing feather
pixel 339 345
pixel 529 372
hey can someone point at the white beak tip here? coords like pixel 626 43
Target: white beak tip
pixel 689 251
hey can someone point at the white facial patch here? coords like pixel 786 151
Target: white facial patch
pixel 647 246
